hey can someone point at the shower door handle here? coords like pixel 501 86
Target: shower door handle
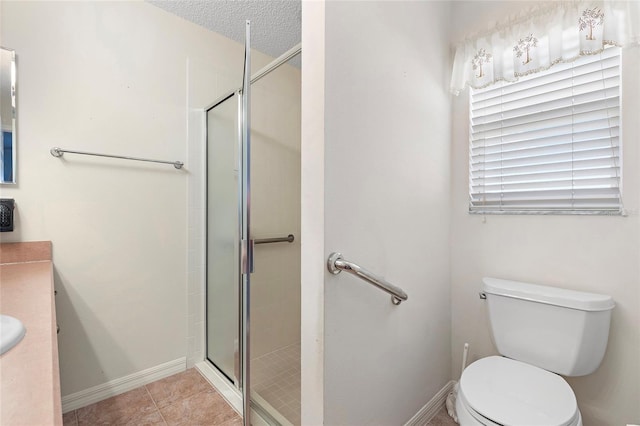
pixel 252 246
pixel 247 256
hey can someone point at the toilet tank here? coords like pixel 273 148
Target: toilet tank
pixel 556 329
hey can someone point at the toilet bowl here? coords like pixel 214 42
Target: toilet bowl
pixel 504 392
pixel 541 332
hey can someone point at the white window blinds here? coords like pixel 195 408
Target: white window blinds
pixel 549 143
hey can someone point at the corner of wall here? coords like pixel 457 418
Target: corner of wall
pixel 312 212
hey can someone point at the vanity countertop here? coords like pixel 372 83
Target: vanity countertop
pixel 29 374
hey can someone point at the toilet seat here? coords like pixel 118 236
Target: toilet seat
pixel 502 391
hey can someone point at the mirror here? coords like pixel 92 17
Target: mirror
pixel 8 115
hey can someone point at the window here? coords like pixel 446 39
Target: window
pixel 550 142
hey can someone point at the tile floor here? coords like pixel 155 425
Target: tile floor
pixel 182 399
pixel 187 399
pixel 276 378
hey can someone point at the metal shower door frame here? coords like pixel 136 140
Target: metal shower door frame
pixel 246 246
pixel 244 212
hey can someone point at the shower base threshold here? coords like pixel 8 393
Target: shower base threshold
pixel 234 397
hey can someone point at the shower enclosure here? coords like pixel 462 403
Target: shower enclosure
pixel 253 247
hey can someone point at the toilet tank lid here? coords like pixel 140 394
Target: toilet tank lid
pixel 549 295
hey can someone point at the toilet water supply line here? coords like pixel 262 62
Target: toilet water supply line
pixel 451 398
pixel 465 352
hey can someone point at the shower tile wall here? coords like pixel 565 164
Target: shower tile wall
pixel 275 205
pixel 276 378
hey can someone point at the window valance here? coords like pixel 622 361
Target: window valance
pixel 540 38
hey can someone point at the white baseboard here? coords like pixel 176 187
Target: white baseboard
pixel 121 385
pixel 431 408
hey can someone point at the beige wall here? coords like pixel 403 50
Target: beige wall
pixel 312 213
pixel 120 78
pixel 88 82
pixel 596 254
pixel 386 205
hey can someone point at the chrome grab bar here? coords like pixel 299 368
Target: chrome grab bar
pixel 58 152
pixel 288 239
pixel 337 264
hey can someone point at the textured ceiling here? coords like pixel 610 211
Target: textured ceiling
pixel 275 24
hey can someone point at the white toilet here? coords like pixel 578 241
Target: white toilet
pixel 540 331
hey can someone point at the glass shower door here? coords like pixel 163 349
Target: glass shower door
pixel 275 205
pixel 229 245
pixel 223 238
pixel 269 149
